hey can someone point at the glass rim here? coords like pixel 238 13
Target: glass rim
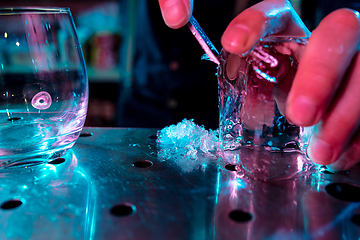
pixel 279 38
pixel 274 38
pixel 32 10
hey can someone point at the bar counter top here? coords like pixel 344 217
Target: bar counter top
pixel 112 185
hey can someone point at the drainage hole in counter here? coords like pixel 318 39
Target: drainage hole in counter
pixel 15 119
pixel 240 216
pixel 143 164
pixel 124 209
pixel 232 167
pixel 86 134
pixel 343 191
pixel 11 204
pixel 57 161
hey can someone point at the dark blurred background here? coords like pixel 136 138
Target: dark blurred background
pixel 101 33
pixel 106 31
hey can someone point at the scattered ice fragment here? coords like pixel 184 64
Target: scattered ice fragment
pixel 188 145
pixel 36 179
pixel 205 57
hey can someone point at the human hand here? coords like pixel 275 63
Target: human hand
pixel 327 84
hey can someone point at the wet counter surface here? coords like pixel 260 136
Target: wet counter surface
pixel 112 185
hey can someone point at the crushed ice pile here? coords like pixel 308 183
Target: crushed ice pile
pixel 188 145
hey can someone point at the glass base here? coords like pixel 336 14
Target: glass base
pixel 32 159
pixel 261 164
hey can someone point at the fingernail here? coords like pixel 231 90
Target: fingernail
pixel 319 151
pixel 302 111
pixel 237 36
pixel 173 13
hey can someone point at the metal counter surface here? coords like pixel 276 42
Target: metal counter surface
pixel 112 185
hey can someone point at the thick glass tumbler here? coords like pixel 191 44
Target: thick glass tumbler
pixel 252 94
pixel 43 85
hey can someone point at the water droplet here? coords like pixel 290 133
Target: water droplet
pixel 41 101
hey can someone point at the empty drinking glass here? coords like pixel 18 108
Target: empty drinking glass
pixel 43 85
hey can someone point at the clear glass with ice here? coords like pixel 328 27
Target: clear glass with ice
pixel 43 85
pixel 252 92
